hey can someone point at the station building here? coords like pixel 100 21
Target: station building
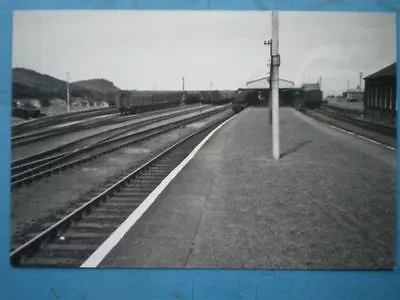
pixel 259 90
pixel 380 94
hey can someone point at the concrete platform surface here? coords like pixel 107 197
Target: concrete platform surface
pixel 329 202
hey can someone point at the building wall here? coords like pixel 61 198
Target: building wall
pixel 380 98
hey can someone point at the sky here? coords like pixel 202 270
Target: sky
pixel 222 50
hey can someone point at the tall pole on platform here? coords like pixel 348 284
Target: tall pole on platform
pixel 275 61
pixel 68 92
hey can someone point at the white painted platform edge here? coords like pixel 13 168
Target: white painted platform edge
pixel 105 248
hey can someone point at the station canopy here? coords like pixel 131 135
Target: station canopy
pixel 263 83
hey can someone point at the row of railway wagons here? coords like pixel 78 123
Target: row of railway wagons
pixel 136 102
pixel 217 97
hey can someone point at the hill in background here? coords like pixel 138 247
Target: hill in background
pixel 29 84
pixel 100 85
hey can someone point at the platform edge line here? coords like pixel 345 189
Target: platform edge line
pixel 105 248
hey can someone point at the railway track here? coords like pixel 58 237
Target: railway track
pixel 58 163
pixel 96 121
pixel 60 118
pixel 75 235
pixel 371 132
pixel 343 110
pixel 380 128
pixel 36 136
pixel 32 161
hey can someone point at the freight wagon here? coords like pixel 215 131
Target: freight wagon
pixel 137 102
pixel 217 97
pixel 192 97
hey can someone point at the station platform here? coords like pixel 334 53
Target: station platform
pixel 329 202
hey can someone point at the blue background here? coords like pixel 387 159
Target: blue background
pixel 173 284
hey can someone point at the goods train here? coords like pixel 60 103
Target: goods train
pixel 137 102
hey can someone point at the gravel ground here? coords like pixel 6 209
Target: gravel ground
pixel 31 149
pixel 329 202
pixel 43 198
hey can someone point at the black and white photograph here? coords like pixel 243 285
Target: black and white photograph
pixel 203 139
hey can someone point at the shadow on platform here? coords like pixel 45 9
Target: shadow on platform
pixel 295 148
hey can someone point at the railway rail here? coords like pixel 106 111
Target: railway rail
pixel 81 230
pixel 60 118
pixel 58 151
pixel 381 128
pixel 343 110
pixel 36 136
pixel 29 173
pixel 39 134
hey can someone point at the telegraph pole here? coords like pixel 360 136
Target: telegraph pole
pixel 360 81
pixel 183 90
pixel 275 62
pixel 68 92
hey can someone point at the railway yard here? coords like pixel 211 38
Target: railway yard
pixel 104 189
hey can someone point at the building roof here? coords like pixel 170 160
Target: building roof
pixel 263 83
pixel 387 71
pixel 310 86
